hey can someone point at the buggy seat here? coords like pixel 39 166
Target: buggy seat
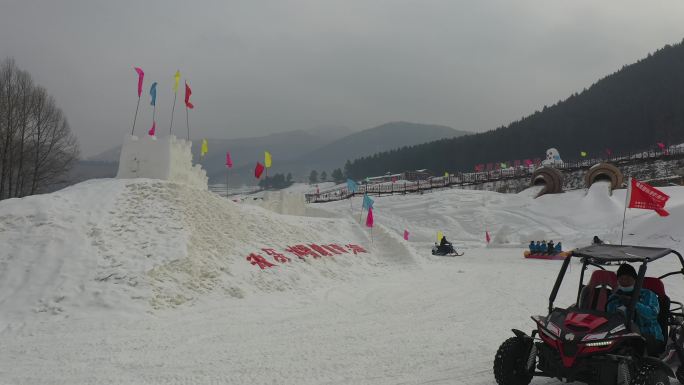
pixel 656 285
pixel 594 296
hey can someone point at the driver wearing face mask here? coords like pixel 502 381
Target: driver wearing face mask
pixel 646 309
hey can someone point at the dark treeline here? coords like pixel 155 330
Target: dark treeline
pixel 632 109
pixel 36 144
pixel 276 182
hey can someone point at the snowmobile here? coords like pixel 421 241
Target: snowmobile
pixel 445 251
pixel 585 343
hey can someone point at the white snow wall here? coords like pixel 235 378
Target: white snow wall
pixel 165 158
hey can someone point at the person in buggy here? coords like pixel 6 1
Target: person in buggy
pixel 647 309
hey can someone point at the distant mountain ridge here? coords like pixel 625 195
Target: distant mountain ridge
pixel 637 106
pixel 297 152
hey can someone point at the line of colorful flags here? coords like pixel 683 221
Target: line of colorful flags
pixel 153 102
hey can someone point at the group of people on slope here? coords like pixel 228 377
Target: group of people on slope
pixel 545 248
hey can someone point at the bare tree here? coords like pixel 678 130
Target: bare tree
pixel 36 143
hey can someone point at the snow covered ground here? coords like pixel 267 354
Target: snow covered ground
pixel 147 282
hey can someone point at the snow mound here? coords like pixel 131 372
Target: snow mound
pixel 139 245
pixel 513 220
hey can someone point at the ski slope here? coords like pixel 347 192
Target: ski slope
pixel 146 282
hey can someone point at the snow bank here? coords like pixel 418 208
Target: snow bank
pixel 514 219
pixel 133 246
pixel 165 158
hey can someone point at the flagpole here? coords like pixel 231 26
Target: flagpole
pixel 624 214
pixel 175 95
pixel 187 121
pixel 136 115
pixel 226 182
pixel 154 113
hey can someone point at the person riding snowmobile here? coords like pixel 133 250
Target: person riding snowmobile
pixel 445 246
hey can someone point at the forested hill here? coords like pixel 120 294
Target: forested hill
pixel 639 105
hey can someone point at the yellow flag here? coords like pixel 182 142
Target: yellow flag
pixel 176 78
pixel 205 147
pixel 583 154
pixel 446 174
pixel 267 159
pixel 439 236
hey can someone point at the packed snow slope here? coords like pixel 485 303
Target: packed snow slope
pixel 513 220
pixel 138 245
pixel 145 282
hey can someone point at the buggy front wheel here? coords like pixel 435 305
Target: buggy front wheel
pixel 510 363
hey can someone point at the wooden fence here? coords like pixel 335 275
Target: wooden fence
pixel 474 178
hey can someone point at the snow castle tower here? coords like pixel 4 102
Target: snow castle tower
pixel 165 158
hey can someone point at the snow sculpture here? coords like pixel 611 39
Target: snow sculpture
pixel 166 158
pixel 552 157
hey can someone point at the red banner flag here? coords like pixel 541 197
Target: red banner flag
pixel 369 218
pixel 528 162
pixel 258 170
pixel 188 92
pixel 229 162
pixel 152 130
pixel 406 235
pixel 141 75
pixel 642 195
pixel 487 237
pixel 661 145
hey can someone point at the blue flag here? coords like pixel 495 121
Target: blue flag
pixel 153 93
pixel 367 202
pixel 351 186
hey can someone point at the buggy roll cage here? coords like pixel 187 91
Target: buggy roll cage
pixel 601 255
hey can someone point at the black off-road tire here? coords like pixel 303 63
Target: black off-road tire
pixel 680 374
pixel 649 374
pixel 511 361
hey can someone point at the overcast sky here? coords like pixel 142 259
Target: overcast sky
pixel 257 67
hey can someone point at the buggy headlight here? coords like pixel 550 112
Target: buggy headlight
pixel 597 344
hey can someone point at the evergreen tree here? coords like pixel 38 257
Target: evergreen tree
pixel 337 175
pixel 324 176
pixel 313 177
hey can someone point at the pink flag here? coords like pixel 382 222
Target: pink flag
pixel 406 235
pixel 661 145
pixel 369 218
pixel 151 131
pixel 229 162
pixel 528 162
pixel 487 237
pixel 141 75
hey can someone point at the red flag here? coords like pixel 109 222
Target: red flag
pixel 642 195
pixel 661 145
pixel 406 235
pixel 369 218
pixel 528 162
pixel 487 237
pixel 229 162
pixel 258 170
pixel 141 75
pixel 151 131
pixel 609 152
pixel 188 92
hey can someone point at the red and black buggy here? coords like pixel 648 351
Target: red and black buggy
pixel 585 343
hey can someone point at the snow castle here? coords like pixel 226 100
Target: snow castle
pixel 165 158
